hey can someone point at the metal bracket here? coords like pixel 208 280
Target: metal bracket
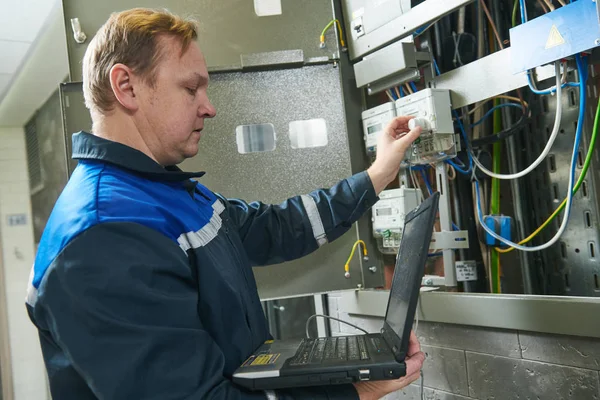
pixel 446 221
pixel 450 240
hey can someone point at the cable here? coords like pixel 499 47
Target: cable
pixel 586 165
pixel 397 92
pixel 426 180
pixel 365 254
pixel 492 24
pixel 514 13
pixel 506 133
pixel 543 6
pixel 524 104
pixel 578 134
pixel 408 88
pixel 389 95
pixel 413 87
pixel 451 176
pixel 328 317
pixel 546 150
pixel 329 25
pixel 492 110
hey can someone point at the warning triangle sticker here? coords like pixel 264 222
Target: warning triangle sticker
pixel 555 38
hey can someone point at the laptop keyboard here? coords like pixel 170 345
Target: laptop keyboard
pixel 317 351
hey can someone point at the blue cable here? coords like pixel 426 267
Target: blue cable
pixel 401 91
pixel 438 254
pixel 437 70
pixel 466 139
pixel 523 13
pixel 426 180
pixel 393 95
pixel 414 87
pixel 491 111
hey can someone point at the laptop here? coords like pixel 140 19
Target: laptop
pixel 281 364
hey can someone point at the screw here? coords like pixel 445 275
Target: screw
pixel 429 282
pixel 359 286
pixel 373 269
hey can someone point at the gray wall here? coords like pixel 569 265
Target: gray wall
pixel 466 362
pixel 52 158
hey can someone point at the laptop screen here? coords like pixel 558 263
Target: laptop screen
pixel 409 269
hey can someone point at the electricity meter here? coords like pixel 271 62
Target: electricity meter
pixel 388 217
pixel 433 113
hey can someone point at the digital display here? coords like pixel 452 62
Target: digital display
pixel 383 212
pixel 374 128
pixel 412 247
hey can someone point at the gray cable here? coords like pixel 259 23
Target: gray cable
pixel 422 384
pixel 327 316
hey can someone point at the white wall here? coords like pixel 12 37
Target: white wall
pixel 46 66
pixel 16 242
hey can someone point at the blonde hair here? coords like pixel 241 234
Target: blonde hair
pixel 130 38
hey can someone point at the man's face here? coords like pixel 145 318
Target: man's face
pixel 172 112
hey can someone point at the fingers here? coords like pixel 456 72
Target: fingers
pixel 408 379
pixel 414 363
pixel 413 345
pixel 400 123
pixel 404 141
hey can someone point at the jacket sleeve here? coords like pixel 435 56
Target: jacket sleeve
pixel 121 301
pixel 275 233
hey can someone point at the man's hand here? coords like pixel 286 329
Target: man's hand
pixel 414 362
pixel 391 146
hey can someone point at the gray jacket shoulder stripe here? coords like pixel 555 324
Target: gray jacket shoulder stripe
pixel 315 219
pixel 200 238
pixel 271 395
pixel 32 292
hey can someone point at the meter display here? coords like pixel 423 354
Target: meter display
pixel 388 217
pixel 374 122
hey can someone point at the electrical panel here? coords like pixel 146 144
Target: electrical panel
pixel 388 217
pixel 433 112
pixel 374 121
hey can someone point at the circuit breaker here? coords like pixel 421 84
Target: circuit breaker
pixel 433 113
pixel 374 121
pixel 388 217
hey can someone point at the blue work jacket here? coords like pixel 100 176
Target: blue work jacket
pixel 142 286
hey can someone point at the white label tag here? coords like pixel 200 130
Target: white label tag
pixel 466 271
pixel 265 8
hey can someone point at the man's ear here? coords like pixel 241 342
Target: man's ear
pixel 121 82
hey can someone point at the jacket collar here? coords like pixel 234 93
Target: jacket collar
pixel 90 147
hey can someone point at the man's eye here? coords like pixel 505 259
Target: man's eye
pixel 191 91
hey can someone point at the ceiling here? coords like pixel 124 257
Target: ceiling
pixel 21 21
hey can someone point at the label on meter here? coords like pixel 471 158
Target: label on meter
pixel 466 271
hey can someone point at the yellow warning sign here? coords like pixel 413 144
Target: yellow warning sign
pixel 555 38
pixel 261 359
pixel 265 359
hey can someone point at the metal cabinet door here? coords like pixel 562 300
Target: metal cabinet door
pixel 228 28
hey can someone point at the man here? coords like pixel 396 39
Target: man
pixel 142 287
